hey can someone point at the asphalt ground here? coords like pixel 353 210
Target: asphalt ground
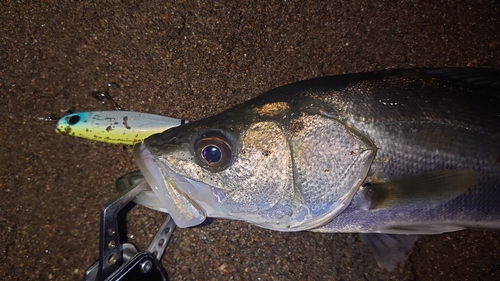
pixel 190 60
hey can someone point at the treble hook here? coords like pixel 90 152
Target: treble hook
pixel 103 96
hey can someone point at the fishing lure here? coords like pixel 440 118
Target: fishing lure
pixel 115 127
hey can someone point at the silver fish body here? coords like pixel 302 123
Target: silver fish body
pixel 432 126
pixel 394 152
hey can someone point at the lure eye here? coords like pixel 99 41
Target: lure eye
pixel 73 119
pixel 213 150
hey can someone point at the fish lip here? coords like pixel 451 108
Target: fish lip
pixel 165 184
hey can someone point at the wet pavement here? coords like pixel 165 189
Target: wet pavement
pixel 192 59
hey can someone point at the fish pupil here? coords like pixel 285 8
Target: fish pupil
pixel 74 119
pixel 212 154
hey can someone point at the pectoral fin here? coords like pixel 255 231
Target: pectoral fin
pixel 433 188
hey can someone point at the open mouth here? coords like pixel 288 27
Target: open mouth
pixel 187 201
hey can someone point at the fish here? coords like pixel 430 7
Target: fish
pixel 115 127
pixel 391 155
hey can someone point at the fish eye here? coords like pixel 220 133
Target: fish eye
pixel 213 150
pixel 211 154
pixel 73 119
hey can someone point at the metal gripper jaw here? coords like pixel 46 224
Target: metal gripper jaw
pixel 122 261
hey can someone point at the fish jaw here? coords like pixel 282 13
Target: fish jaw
pixel 187 201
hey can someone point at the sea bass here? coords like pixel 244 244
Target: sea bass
pixel 395 153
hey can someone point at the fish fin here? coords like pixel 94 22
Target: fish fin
pixel 389 249
pixel 414 229
pixel 433 188
pixel 441 227
pixel 483 77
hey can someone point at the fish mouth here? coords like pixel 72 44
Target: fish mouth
pixel 187 201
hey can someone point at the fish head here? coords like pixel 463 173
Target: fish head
pixel 278 165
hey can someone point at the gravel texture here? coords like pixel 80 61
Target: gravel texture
pixel 192 59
